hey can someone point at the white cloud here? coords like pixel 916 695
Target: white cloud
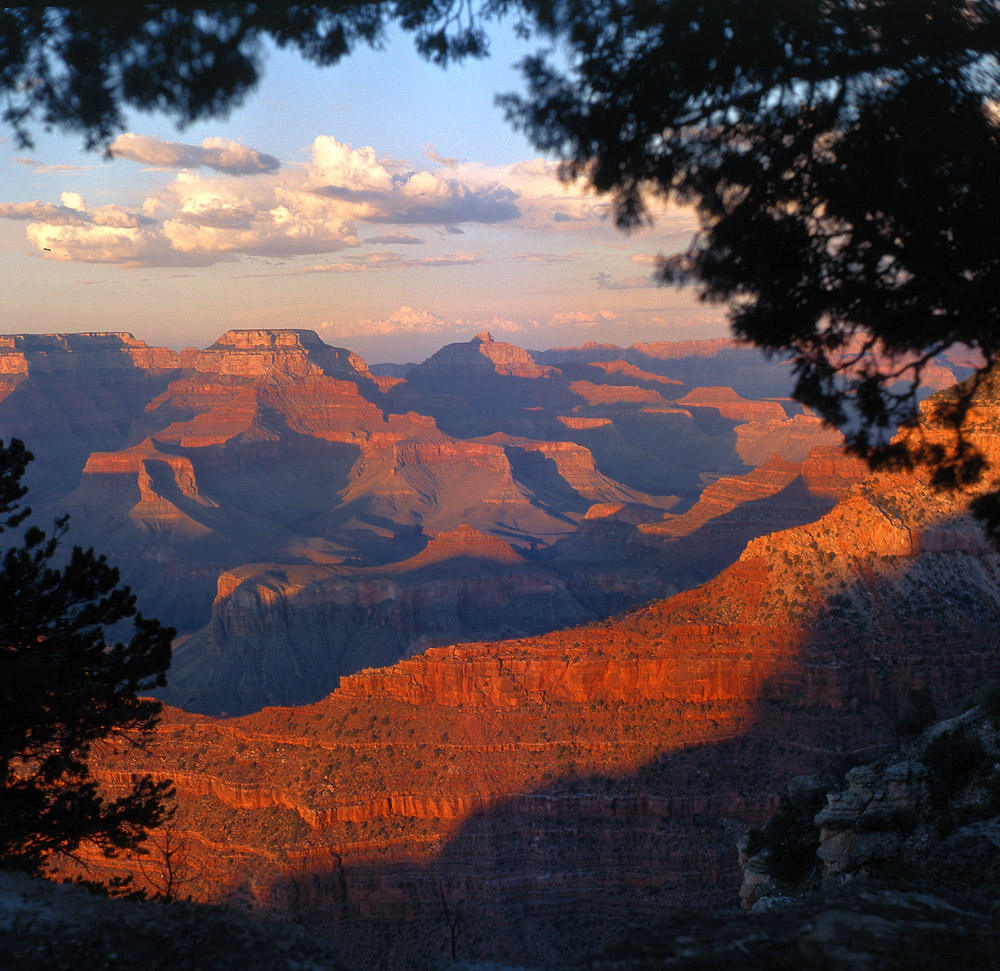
pixel 250 206
pixel 73 200
pixel 108 234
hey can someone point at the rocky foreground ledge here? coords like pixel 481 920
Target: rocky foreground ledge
pixel 899 869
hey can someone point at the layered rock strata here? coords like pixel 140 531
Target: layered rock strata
pixel 274 457
pixel 570 784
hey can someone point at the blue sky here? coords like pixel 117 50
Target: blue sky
pixel 384 203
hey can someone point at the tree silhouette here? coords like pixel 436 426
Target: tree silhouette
pixel 166 864
pixel 78 67
pixel 63 688
pixel 841 154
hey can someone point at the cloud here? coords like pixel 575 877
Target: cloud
pixel 375 263
pixel 409 320
pixel 108 234
pixel 646 259
pixel 546 258
pixel 495 323
pixel 606 282
pixel 416 197
pixel 583 317
pixel 226 156
pixel 40 167
pixel 222 218
pixel 250 206
pixel 433 200
pixel 41 211
pixel 431 153
pixel 405 320
pixel 380 261
pixel 395 239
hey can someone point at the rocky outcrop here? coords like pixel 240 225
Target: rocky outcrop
pixel 731 405
pixel 462 542
pixel 254 353
pixel 854 928
pixel 54 353
pixel 482 353
pixel 924 816
pixel 623 368
pixel 791 438
pixel 286 635
pixel 611 394
pixel 731 512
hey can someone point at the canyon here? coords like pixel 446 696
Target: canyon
pixel 463 780
pixel 285 507
pixel 548 792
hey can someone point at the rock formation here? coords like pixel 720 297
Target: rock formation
pixel 571 784
pixel 273 458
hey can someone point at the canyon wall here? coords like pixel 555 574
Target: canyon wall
pixel 274 458
pixel 553 790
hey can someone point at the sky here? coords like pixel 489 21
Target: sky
pixel 384 203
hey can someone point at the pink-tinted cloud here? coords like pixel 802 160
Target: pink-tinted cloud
pixel 405 320
pixel 43 169
pixel 543 258
pixel 226 156
pixel 583 317
pixel 373 262
pixel 248 206
pixel 435 156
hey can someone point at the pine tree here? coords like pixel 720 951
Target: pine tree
pixel 64 687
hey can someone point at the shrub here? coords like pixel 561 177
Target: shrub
pixel 953 758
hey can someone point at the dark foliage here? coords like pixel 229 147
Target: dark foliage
pixel 841 155
pixel 63 688
pixel 78 67
pixel 919 712
pixel 954 757
pixel 790 837
pixel 987 700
